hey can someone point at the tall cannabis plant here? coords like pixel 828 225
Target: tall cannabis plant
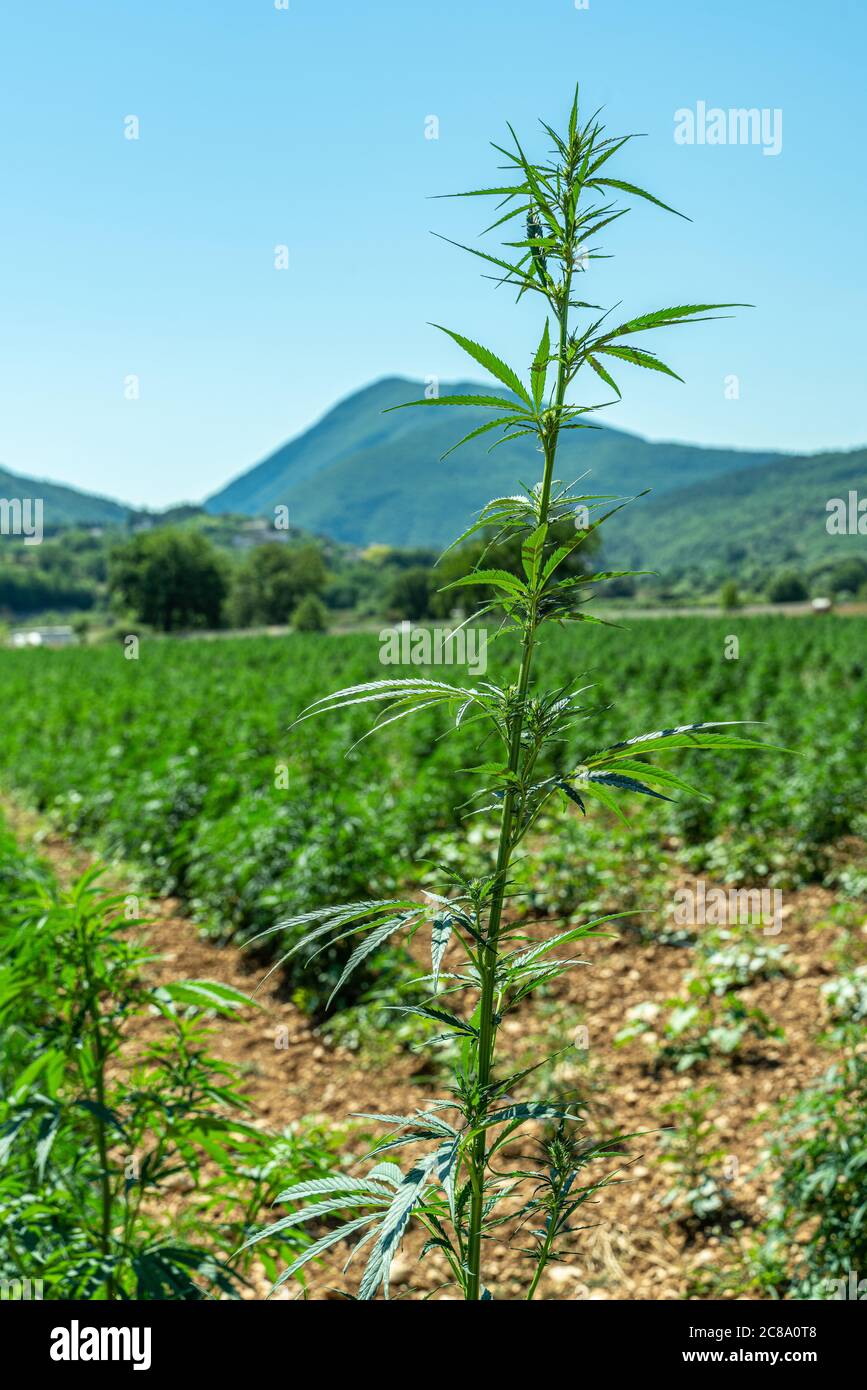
pixel 464 1183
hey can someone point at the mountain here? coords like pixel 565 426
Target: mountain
pixel 362 476
pixel 767 516
pixel 62 506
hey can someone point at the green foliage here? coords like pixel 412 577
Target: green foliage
pixel 311 615
pixel 169 579
pixel 699 1196
pixel 787 587
pixel 847 578
pixel 95 1130
pixel 171 762
pixel 272 581
pixel 709 1019
pixel 732 960
pixel 410 593
pixel 815 1236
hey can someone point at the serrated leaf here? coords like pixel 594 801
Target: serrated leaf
pixel 497 579
pixel 441 931
pixel 636 192
pixel 491 362
pixel 367 947
pixel 394 1224
pixel 539 371
pixel 630 784
pixel 204 994
pixel 601 371
pixel 532 551
pixel 639 358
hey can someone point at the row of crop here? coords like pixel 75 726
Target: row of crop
pixel 183 760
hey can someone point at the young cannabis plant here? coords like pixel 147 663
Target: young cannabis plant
pixel 467 1184
pixel 94 1131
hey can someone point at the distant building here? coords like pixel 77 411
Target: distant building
pixel 261 532
pixel 43 637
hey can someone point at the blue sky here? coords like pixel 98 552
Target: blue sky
pixel 261 127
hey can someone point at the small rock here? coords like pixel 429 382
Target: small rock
pixel 401 1269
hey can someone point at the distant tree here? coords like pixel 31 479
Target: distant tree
pixel 620 588
pixel 311 615
pixel 787 587
pixel 410 593
pixel 848 576
pixel 413 558
pixel 169 579
pixel 730 596
pixel 271 582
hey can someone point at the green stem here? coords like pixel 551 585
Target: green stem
pixel 489 952
pixel 99 1052
pixel 102 1147
pixel 543 1260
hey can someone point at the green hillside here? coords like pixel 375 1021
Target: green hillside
pixel 757 518
pixel 362 476
pixel 62 506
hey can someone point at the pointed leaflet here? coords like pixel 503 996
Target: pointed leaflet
pixel 681 730
pixel 491 402
pixel 639 358
pixel 367 946
pixel 539 370
pixel 440 935
pixel 572 795
pixel 666 318
pixel 503 420
pixel 321 1245
pixel 600 371
pixel 452 1021
pixel 313 1213
pixel 486 192
pixel 616 779
pixel 338 1182
pixel 489 360
pixel 497 579
pixel 393 1226
pixel 636 192
pixel 204 994
pixel 532 551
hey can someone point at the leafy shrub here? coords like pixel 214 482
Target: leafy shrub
pixel 787 587
pixel 92 1135
pixel 311 615
pixel 710 1019
pixel 816 1230
pixel 699 1196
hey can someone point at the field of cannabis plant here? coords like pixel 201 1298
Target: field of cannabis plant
pixel 182 766
pixel 183 762
pixel 455 856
